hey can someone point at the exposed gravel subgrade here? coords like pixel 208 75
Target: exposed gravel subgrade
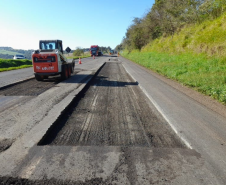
pixel 29 88
pixel 5 144
pixel 114 112
pixel 21 181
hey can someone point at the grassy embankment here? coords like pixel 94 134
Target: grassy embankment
pixel 7 65
pixel 195 56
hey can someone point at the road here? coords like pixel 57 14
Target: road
pixel 112 122
pixel 9 77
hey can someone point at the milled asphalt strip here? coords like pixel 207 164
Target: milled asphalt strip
pixel 57 110
pixel 10 158
pixel 51 117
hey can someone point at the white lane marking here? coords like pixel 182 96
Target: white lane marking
pixel 161 111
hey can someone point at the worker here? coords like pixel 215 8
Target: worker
pixel 50 46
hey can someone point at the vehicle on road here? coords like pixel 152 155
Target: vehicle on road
pixel 94 49
pixel 100 53
pixel 49 60
pixel 111 52
pixel 16 57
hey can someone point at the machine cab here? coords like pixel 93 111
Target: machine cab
pixel 50 45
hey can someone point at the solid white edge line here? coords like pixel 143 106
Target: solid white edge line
pixel 160 111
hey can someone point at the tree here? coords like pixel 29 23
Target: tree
pixel 78 52
pixel 166 17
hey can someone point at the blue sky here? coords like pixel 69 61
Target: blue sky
pixel 78 23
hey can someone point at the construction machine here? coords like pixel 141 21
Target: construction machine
pixel 49 60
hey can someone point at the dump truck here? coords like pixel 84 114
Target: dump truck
pixel 94 49
pixel 49 60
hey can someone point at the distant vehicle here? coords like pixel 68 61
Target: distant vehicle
pixel 111 52
pixel 94 49
pixel 100 53
pixel 16 57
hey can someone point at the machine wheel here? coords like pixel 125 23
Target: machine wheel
pixel 64 74
pixel 73 66
pixel 39 78
pixel 69 70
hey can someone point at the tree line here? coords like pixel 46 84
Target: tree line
pixel 166 17
pixel 26 53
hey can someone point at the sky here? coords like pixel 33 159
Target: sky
pixel 78 23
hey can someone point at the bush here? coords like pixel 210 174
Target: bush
pixel 78 52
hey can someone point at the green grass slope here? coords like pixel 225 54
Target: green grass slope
pixel 7 65
pixel 195 57
pixel 207 38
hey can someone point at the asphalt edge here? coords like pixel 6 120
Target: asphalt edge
pixel 160 111
pixel 81 88
pixel 202 99
pixel 15 83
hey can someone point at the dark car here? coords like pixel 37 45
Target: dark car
pixel 100 53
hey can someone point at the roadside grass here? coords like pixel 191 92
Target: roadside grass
pixel 204 74
pixel 9 64
pixel 14 68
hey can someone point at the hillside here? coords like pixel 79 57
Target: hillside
pixel 5 52
pixel 194 56
pixel 8 52
pixel 207 38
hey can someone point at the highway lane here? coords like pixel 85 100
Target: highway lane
pixel 114 164
pixel 197 125
pixel 9 77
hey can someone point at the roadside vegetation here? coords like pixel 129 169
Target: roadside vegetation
pixel 5 52
pixel 7 65
pixel 77 57
pixel 78 53
pixel 183 40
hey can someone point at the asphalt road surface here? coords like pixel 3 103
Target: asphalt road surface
pixel 112 122
pixel 113 112
pixel 9 77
